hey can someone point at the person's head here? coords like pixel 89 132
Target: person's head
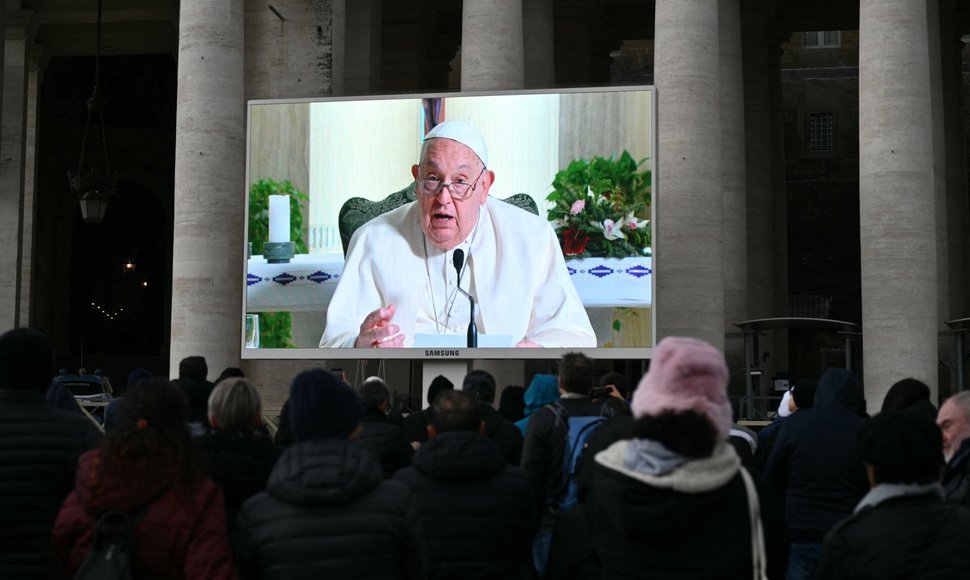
pixel 480 384
pixel 511 402
pixel 229 372
pixel 618 381
pixel 235 405
pixel 454 411
pixel 27 360
pixel 193 368
pixel 341 374
pixel 901 447
pixel 687 377
pixel 542 390
pixel 576 373
pixel 137 375
pixel 152 426
pixel 802 396
pixel 438 384
pixel 954 422
pixel 453 153
pixel 375 396
pixel 904 393
pixel 323 407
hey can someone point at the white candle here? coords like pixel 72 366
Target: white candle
pixel 279 218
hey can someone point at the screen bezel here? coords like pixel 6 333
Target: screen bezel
pixel 414 353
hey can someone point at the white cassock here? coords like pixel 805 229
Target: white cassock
pixel 514 269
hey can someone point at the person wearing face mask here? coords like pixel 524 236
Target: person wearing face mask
pixel 406 270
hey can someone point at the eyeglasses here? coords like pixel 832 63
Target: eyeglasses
pixel 459 190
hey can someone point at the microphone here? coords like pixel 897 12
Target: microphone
pixel 458 259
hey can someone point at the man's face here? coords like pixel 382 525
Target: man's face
pixel 955 427
pixel 447 221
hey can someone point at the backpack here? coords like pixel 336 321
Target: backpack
pixel 112 547
pixel 578 430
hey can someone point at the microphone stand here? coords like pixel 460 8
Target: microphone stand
pixel 458 260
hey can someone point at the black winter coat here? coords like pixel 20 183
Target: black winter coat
pixel 475 511
pixel 39 448
pixel 815 464
pixel 503 432
pixel 240 463
pixel 902 538
pixel 543 448
pixel 327 512
pixel 956 476
pixel 387 441
pixel 692 523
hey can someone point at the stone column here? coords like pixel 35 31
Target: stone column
pixel 294 49
pixel 363 48
pixel 491 45
pixel 538 44
pixel 690 215
pixel 210 164
pixel 896 196
pixel 733 185
pixel 957 204
pixel 12 149
pixel 35 60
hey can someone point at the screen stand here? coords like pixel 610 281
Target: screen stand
pixel 453 370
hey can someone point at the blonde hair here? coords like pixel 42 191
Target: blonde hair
pixel 235 404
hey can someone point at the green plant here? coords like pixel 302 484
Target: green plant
pixel 601 207
pixel 275 328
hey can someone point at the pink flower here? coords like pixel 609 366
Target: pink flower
pixel 612 230
pixel 577 206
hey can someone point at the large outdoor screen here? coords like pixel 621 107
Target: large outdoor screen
pixel 319 170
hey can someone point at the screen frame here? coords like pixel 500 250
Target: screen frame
pixel 458 354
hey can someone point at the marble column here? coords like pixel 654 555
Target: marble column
pixel 538 44
pixel 35 62
pixel 492 55
pixel 690 214
pixel 362 48
pixel 210 164
pixel 733 185
pixel 12 151
pixel 897 202
pixel 955 175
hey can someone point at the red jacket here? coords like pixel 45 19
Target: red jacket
pixel 182 535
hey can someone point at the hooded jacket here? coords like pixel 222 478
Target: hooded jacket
pixel 181 535
pixel 815 463
pixel 475 511
pixel 327 512
pixel 691 522
pixel 543 390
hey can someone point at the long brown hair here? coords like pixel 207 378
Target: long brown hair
pixel 153 426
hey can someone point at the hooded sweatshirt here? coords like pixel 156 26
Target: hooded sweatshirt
pixel 815 464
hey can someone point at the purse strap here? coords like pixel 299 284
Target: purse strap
pixel 758 559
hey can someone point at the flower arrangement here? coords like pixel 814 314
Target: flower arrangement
pixel 601 207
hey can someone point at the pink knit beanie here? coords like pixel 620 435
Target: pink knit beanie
pixel 686 374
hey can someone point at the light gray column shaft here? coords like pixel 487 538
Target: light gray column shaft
pixel 492 55
pixel 954 126
pixel 538 44
pixel 209 185
pixel 29 210
pixel 296 51
pixel 12 148
pixel 759 160
pixel 897 202
pixel 363 48
pixel 689 253
pixel 733 183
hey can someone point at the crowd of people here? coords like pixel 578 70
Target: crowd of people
pixel 574 477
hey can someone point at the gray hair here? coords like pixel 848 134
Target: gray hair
pixel 962 401
pixel 236 405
